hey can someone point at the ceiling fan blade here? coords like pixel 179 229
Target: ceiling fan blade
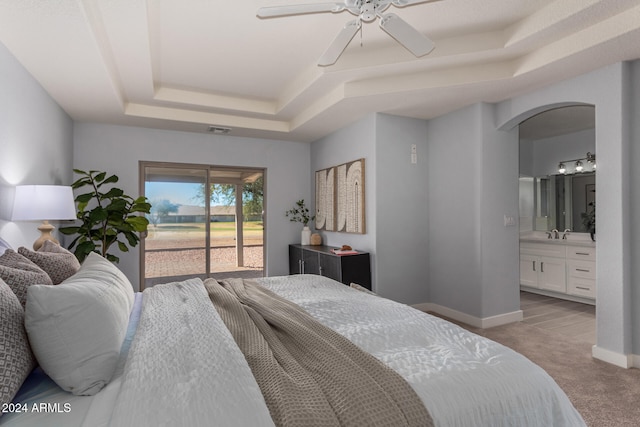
pixel 416 42
pixel 403 3
pixel 340 43
pixel 299 9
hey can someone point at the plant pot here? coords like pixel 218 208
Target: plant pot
pixel 305 236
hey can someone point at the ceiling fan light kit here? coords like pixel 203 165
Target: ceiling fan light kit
pixel 366 11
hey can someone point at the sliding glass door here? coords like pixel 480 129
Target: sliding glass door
pixel 205 221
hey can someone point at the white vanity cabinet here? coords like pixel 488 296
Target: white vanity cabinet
pixel 581 271
pixel 543 267
pixel 559 269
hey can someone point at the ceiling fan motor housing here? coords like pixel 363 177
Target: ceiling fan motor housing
pixel 368 11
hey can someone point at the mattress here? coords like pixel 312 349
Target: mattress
pixel 463 379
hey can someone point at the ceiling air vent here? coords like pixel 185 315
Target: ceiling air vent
pixel 219 130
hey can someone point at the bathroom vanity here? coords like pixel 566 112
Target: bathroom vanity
pixel 559 268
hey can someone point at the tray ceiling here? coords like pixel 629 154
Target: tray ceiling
pixel 190 64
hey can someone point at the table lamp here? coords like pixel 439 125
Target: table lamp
pixel 43 203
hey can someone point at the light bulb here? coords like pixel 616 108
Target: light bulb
pixel 562 168
pixel 579 166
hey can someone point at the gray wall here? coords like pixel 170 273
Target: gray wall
pixel 472 185
pixel 353 142
pixel 540 157
pixel 401 209
pixel 453 154
pixel 609 89
pixel 396 199
pixel 118 150
pixel 634 190
pixel 36 142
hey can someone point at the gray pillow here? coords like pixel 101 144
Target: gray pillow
pixel 77 328
pixel 56 261
pixel 20 273
pixel 16 359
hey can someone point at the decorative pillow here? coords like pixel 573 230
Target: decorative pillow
pixel 76 329
pixel 55 260
pixel 20 273
pixel 16 359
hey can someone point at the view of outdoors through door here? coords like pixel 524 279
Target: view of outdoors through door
pixel 196 233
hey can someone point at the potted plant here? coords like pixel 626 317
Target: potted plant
pixel 300 213
pixel 589 220
pixel 106 216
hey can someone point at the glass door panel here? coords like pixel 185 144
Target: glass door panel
pixel 176 243
pixel 205 221
pixel 237 230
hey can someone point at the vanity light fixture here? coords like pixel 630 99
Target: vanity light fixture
pixel 562 168
pixel 591 159
pixel 579 166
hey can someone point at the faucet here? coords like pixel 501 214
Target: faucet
pixel 556 234
pixel 566 233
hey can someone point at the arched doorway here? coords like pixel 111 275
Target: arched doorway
pixel 557 182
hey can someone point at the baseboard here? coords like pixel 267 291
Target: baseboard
pixel 635 361
pixel 477 322
pixel 622 360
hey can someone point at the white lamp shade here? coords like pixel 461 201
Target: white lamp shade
pixel 43 202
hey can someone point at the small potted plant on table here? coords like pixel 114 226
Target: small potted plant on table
pixel 300 213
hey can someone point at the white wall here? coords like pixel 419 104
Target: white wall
pixel 118 150
pixel 35 144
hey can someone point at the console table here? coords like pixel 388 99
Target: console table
pixel 309 259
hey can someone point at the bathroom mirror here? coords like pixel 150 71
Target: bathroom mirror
pixel 558 201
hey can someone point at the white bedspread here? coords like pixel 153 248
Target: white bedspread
pixel 463 379
pixel 184 369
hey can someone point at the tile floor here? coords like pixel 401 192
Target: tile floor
pixel 564 317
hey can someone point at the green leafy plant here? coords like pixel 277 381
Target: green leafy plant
pixel 106 216
pixel 300 213
pixel 589 219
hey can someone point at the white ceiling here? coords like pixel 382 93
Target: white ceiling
pixel 189 64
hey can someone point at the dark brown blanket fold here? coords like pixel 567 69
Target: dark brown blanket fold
pixel 309 374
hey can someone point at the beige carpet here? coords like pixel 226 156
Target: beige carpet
pixel 604 394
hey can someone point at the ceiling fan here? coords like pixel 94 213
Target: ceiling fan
pixel 366 11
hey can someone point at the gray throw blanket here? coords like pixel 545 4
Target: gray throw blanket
pixel 309 374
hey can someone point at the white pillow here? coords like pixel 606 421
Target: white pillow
pixel 76 328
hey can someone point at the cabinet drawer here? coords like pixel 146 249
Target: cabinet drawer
pixel 541 249
pixel 579 252
pixel 582 287
pixel 584 269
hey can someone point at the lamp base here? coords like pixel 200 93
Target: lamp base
pixel 45 229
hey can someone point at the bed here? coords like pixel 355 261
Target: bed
pixel 166 356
